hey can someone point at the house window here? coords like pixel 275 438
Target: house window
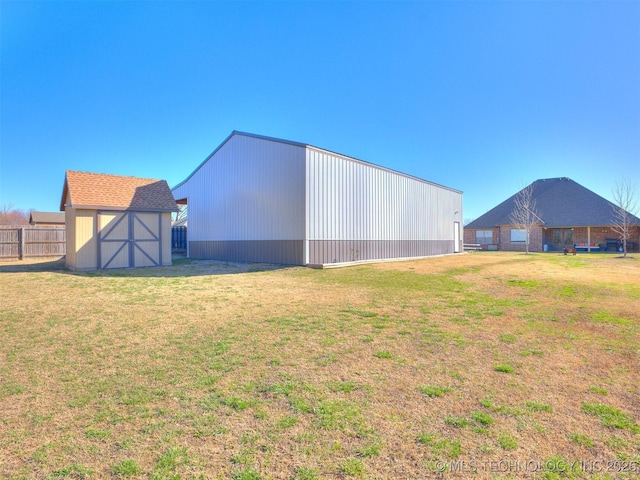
pixel 518 236
pixel 484 236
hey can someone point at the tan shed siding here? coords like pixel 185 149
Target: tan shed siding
pixel 166 238
pixel 389 214
pixel 146 226
pixel 70 225
pixel 151 249
pixel 86 247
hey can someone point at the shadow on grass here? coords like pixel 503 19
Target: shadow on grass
pixel 33 265
pixel 182 267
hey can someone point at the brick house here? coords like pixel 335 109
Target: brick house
pixel 572 216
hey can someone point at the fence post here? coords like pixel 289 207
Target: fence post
pixel 21 243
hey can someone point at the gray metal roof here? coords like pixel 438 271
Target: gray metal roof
pixel 561 202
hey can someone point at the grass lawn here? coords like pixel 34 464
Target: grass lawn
pixel 486 365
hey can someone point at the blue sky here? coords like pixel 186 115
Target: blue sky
pixel 481 96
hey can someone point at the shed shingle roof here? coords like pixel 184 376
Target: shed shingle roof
pixel 99 190
pixel 561 202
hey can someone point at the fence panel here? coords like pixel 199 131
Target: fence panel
pixel 178 238
pixel 9 243
pixel 18 242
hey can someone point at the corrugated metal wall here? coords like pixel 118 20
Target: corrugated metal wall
pixel 285 252
pixel 261 199
pixel 250 189
pixel 357 211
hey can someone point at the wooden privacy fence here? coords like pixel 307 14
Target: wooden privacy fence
pixel 19 242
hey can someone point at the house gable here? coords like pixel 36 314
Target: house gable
pixel 561 202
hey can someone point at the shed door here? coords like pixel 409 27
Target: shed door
pixel 129 239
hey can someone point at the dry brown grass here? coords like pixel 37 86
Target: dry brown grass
pixel 213 370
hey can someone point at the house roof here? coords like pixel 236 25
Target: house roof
pixel 55 218
pixel 99 190
pixel 303 145
pixel 561 202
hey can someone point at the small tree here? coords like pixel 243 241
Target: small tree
pixel 624 207
pixel 524 215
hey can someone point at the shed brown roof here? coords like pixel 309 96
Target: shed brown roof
pixel 99 190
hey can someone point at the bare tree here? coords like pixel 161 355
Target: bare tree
pixel 9 215
pixel 525 215
pixel 624 208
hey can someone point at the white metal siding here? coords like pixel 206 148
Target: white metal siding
pixel 250 189
pixel 351 200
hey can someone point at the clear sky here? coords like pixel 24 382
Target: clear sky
pixel 481 96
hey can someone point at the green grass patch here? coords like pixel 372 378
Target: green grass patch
pixel 97 434
pixel 288 421
pixel 433 390
pixel 352 467
pixel 523 283
pixel 503 368
pixel 581 439
pixel 168 462
pixel 305 473
pixel 538 407
pixel 75 470
pixel 236 403
pixel 372 450
pixel 126 468
pixel 383 354
pixel 338 415
pixel 441 447
pixel 245 474
pixel 507 441
pixel 600 390
pixel 507 338
pixel 608 317
pixel 458 422
pixel 345 387
pixel 610 416
pixel 482 418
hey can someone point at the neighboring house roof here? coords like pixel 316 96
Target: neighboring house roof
pixel 561 202
pixel 304 145
pixel 49 218
pixel 98 190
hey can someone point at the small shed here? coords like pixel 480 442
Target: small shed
pixel 115 221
